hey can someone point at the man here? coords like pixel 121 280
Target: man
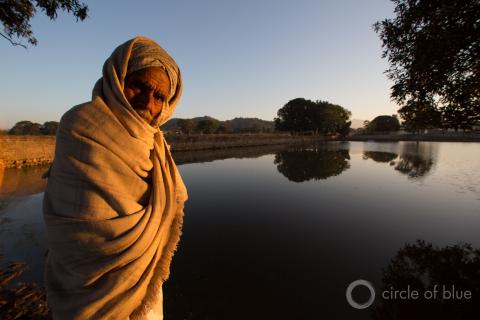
pixel 113 206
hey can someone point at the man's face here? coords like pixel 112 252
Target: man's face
pixel 146 90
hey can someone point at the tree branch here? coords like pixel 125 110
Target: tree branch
pixel 13 42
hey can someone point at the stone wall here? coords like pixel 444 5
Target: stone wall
pixel 23 151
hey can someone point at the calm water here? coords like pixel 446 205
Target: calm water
pixel 280 232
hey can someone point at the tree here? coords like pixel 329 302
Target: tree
pixel 366 123
pixel 16 14
pixel 384 123
pixel 222 129
pixel 301 115
pixel 208 125
pixel 419 116
pixel 25 127
pixel 295 116
pixel 433 47
pixel 329 118
pixel 49 128
pixel 345 129
pixel 186 125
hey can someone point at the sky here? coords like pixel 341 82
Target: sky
pixel 238 58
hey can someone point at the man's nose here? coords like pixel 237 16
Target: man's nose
pixel 148 102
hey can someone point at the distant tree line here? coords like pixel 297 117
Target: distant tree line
pixel 209 125
pixel 317 117
pixel 189 126
pixel 201 125
pixel 32 128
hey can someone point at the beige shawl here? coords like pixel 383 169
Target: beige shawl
pixel 113 206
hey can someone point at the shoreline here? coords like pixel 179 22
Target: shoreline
pixel 417 137
pixel 27 151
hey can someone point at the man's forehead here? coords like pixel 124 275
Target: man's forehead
pixel 155 75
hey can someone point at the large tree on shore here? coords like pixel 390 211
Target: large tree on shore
pixel 433 47
pixel 330 118
pixel 384 123
pixel 295 116
pixel 420 115
pixel 15 16
pixel 302 115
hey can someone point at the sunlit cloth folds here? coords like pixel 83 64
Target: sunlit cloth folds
pixel 113 206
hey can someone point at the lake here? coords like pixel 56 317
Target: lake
pixel 280 232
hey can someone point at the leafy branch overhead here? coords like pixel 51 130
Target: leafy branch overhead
pixel 16 14
pixel 433 47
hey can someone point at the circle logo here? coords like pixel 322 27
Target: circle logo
pixel 355 284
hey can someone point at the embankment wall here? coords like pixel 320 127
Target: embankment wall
pixel 23 151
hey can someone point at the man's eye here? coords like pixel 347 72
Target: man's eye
pixel 158 96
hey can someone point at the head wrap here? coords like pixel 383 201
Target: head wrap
pixel 135 54
pixel 147 53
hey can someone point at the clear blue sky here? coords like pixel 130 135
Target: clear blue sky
pixel 238 58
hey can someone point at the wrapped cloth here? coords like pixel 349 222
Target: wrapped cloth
pixel 113 206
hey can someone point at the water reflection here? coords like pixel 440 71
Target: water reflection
pixel 18 183
pixel 15 183
pixel 379 156
pixel 317 163
pixel 414 165
pixel 201 156
pixel 412 159
pixel 23 235
pixel 288 250
pixel 23 181
pixel 455 270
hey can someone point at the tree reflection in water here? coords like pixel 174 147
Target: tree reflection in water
pixel 413 165
pixel 414 160
pixel 421 266
pixel 317 163
pixel 379 156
